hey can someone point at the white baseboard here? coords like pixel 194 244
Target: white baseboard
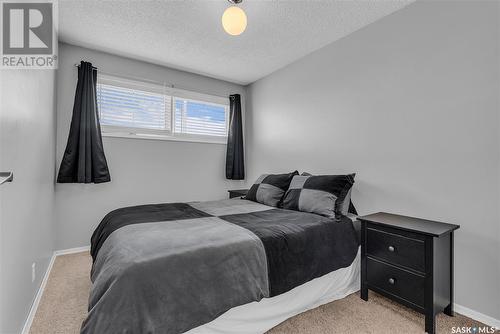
pixel 34 306
pixel 71 250
pixel 485 319
pixel 41 289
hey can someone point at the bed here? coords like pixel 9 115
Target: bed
pixel 230 266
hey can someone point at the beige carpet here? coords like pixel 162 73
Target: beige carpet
pixel 64 304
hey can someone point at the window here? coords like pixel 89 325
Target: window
pixel 196 117
pixel 129 108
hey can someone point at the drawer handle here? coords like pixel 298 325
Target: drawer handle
pixel 392 281
pixel 391 249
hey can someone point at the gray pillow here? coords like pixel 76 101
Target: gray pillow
pixel 325 195
pixel 344 206
pixel 270 188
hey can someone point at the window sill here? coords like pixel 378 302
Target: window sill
pixel 191 139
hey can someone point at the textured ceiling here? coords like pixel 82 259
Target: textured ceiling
pixel 188 34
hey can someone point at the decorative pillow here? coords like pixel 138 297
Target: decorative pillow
pixel 346 203
pixel 322 194
pixel 269 188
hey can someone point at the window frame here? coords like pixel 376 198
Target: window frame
pixel 172 93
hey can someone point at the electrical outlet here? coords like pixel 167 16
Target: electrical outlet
pixel 33 272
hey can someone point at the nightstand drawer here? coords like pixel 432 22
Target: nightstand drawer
pixel 396 249
pixel 397 282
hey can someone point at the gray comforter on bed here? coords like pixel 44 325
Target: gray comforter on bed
pixel 168 268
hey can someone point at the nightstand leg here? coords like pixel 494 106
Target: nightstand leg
pixel 364 292
pixel 364 287
pixel 448 310
pixel 430 324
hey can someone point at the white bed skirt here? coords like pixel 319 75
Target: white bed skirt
pixel 259 317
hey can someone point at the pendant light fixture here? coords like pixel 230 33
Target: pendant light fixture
pixel 234 19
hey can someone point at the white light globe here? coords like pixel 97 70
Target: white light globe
pixel 234 20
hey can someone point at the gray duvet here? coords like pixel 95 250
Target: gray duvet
pixel 153 274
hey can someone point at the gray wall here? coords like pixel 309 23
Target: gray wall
pixel 409 103
pixel 27 147
pixel 142 171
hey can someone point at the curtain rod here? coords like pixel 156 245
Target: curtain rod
pixel 155 82
pixel 93 67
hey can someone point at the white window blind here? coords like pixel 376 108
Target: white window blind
pixel 200 118
pixel 131 108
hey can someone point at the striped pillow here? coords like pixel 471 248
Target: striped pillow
pixel 321 194
pixel 270 188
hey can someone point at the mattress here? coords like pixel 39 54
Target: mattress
pixel 169 268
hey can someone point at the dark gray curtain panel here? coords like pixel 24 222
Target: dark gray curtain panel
pixel 235 166
pixel 84 160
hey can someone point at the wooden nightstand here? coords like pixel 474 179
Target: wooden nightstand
pixel 409 260
pixel 237 193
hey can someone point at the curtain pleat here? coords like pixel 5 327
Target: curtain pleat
pixel 235 166
pixel 84 160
